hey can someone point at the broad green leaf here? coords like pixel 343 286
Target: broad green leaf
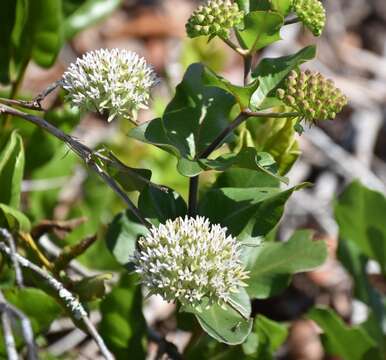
pixel 192 120
pixel 274 136
pixel 7 21
pixel 92 287
pixel 341 340
pixel 88 14
pixel 270 72
pixel 11 170
pixel 39 307
pixel 13 219
pixel 261 28
pixel 122 236
pixel 224 323
pixel 244 178
pixel 242 94
pixel 243 5
pixel 123 326
pixel 40 34
pixel 281 6
pixel 159 206
pixel 360 215
pixel 189 168
pixel 272 263
pixel 131 179
pixel 246 212
pixel 266 338
pixel 355 263
pixel 247 158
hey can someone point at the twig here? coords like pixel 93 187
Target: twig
pixel 9 340
pixel 84 152
pixel 72 303
pixel 11 243
pixel 35 103
pixel 26 327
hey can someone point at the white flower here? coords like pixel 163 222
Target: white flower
pixel 189 260
pixel 114 82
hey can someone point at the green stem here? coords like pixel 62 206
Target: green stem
pixel 234 47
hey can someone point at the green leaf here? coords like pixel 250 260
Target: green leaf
pixel 13 219
pixel 192 120
pixel 261 28
pixel 123 326
pixel 360 215
pixel 274 136
pixel 272 263
pixel 355 263
pixel 159 206
pixel 243 178
pixel 11 170
pixel 242 94
pixel 224 323
pixel 88 14
pixel 340 340
pixel 7 21
pixel 247 158
pixel 40 36
pixel 266 338
pixel 39 307
pixel 122 236
pixel 281 6
pixel 270 72
pixel 246 212
pixel 131 179
pixel 91 288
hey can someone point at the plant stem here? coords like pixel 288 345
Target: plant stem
pixel 193 195
pixel 247 68
pixel 233 46
pixel 84 152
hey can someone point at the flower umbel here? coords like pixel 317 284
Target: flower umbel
pixel 312 96
pixel 216 17
pixel 113 82
pixel 188 259
pixel 312 14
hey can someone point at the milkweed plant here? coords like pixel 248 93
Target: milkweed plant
pixel 216 250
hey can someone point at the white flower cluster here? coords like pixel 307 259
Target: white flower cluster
pixel 189 260
pixel 114 82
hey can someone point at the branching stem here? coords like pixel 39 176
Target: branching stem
pixel 84 152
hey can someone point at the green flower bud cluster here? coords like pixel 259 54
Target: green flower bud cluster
pixel 216 17
pixel 312 95
pixel 312 14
